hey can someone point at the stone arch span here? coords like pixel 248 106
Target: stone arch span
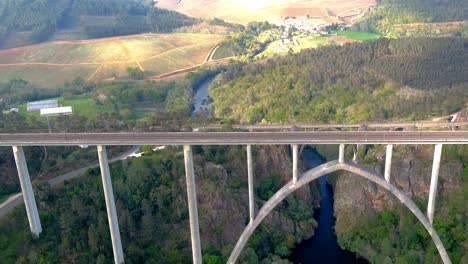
pixel 316 173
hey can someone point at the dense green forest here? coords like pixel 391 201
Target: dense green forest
pixel 394 235
pixel 388 13
pixel 96 18
pixel 409 78
pixel 153 215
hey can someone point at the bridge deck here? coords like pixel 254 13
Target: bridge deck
pixel 237 138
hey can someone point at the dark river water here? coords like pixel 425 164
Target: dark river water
pixel 323 246
pixel 200 97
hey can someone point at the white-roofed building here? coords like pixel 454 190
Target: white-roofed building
pixel 38 105
pixel 56 111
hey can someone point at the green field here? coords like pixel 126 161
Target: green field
pixel 86 107
pixel 51 64
pixel 83 107
pixel 357 35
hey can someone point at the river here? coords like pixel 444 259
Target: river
pixel 323 246
pixel 200 97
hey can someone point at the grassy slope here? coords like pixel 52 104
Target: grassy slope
pixel 104 58
pixel 357 35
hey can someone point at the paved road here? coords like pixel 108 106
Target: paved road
pixel 17 199
pixel 237 138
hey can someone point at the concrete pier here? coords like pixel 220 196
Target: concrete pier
pixel 110 205
pixel 434 180
pixel 250 173
pixel 341 154
pixel 295 151
pixel 27 190
pixel 192 203
pixel 388 162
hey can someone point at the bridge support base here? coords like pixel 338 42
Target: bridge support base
pixel 110 205
pixel 295 150
pixel 250 173
pixel 388 162
pixel 192 203
pixel 434 180
pixel 27 190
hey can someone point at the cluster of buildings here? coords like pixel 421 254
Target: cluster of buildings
pixel 306 25
pixel 302 24
pixel 49 108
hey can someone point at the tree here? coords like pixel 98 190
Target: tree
pixel 135 73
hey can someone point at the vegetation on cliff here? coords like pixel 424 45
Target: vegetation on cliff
pixel 384 231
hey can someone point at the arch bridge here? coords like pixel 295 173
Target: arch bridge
pixel 295 139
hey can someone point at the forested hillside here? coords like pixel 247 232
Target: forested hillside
pixel 42 18
pixel 388 13
pixel 408 78
pixel 153 214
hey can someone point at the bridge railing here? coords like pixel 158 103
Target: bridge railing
pixel 73 126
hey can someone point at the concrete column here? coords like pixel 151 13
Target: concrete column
pixel 434 179
pixel 110 205
pixel 250 173
pixel 192 203
pixel 295 157
pixel 341 154
pixel 27 190
pixel 388 162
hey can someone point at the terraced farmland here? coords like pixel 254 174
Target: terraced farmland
pixel 51 64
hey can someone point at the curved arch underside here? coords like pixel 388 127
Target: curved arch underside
pixel 321 171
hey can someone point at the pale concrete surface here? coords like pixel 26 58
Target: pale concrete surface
pixel 27 190
pixel 388 162
pixel 341 158
pixel 434 181
pixel 295 161
pixel 250 175
pixel 192 204
pixel 110 205
pixel 237 138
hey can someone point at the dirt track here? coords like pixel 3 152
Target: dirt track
pixel 190 69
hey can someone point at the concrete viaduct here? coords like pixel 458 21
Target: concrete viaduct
pixel 295 139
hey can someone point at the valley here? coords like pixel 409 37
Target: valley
pixel 146 70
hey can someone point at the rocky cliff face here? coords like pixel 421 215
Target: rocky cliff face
pixel 223 195
pixel 357 198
